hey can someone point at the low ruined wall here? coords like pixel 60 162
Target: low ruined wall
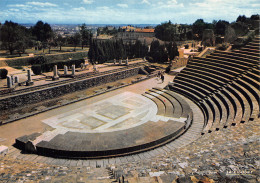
pixel 53 92
pixel 50 58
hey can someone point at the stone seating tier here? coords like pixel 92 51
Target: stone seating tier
pixel 203 89
pixel 186 110
pixel 229 65
pixel 251 88
pixel 219 108
pixel 209 72
pixel 176 105
pixel 169 107
pixel 224 84
pixel 233 59
pixel 227 73
pixel 239 56
pixel 206 83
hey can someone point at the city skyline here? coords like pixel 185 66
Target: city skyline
pixel 124 12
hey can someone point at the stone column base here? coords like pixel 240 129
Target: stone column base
pixel 29 83
pixel 54 78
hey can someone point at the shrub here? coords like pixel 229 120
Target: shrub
pixel 3 73
pixel 37 69
pixel 223 46
pixel 168 69
pixel 150 59
pixel 38 60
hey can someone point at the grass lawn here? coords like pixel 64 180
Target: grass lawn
pixel 54 50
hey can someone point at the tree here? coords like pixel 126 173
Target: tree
pixel 76 40
pixel 255 17
pixel 60 41
pixel 198 27
pixel 220 27
pixel 91 52
pixel 241 18
pixel 13 36
pixel 43 33
pixel 158 52
pixel 166 31
pixel 172 50
pixel 85 35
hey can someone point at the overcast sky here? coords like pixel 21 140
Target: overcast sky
pixel 124 11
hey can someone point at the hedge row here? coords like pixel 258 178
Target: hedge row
pixel 49 58
pixel 48 67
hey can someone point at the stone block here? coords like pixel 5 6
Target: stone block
pixel 3 150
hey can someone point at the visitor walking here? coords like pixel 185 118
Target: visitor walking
pixel 162 77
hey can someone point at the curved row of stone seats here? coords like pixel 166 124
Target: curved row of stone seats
pixel 252 46
pixel 215 85
pixel 225 71
pixel 225 85
pixel 167 100
pixel 249 98
pixel 249 50
pixel 220 58
pixel 214 88
pixel 219 100
pixel 160 105
pixel 252 90
pixel 102 145
pixel 172 105
pixel 169 109
pixel 185 108
pixel 210 73
pixel 229 63
pixel 255 43
pixel 237 56
pixel 218 108
pixel 226 63
pixel 245 110
pixel 196 96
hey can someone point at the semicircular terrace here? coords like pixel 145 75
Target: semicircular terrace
pixel 120 125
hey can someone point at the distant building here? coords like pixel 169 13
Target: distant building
pixel 131 34
pixel 103 37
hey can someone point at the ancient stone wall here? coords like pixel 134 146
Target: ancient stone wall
pixel 56 91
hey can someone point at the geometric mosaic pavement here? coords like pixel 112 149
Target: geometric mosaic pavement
pixel 125 110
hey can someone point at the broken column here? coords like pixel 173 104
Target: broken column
pixel 114 61
pixel 29 82
pixel 126 61
pixel 16 79
pixel 120 61
pixel 55 73
pixel 12 79
pixel 94 67
pixel 9 82
pixel 65 70
pixel 73 69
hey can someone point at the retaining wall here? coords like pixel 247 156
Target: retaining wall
pixel 56 91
